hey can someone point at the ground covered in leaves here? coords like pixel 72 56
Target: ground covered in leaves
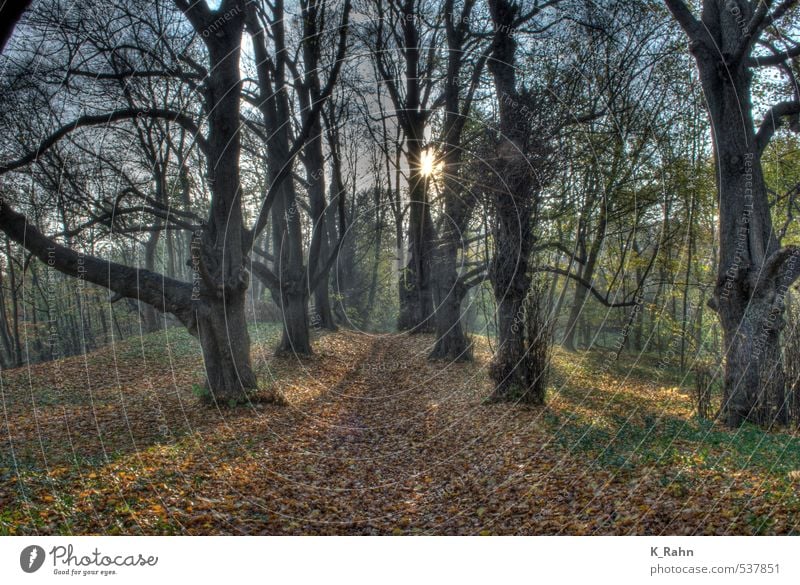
pixel 374 439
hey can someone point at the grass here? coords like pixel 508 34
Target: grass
pixel 630 428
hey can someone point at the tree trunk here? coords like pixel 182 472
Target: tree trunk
pixel 293 294
pixel 15 312
pixel 314 162
pixel 508 369
pixel 322 317
pixel 754 382
pixel 323 314
pixel 219 255
pixel 295 339
pixel 151 321
pixel 753 272
pixel 416 296
pixel 451 342
pixel 225 341
pixel 587 273
pixel 376 258
pixel 749 293
pixel 450 289
pixel 574 316
pixel 5 333
pixel 337 220
pixel 291 279
pixel 513 202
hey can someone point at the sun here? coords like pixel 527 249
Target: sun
pixel 427 163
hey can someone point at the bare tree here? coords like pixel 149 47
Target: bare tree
pixel 290 280
pixel 212 306
pixel 403 42
pixel 465 61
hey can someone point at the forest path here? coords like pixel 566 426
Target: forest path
pixel 403 445
pixel 373 439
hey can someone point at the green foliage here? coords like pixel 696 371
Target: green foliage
pixel 201 392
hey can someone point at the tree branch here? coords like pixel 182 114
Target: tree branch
pixel 99 119
pixel 303 135
pixel 165 294
pixel 680 11
pixel 266 276
pixel 774 59
pixel 773 120
pixel 783 262
pixel 585 284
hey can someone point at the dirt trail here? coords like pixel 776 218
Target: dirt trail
pixel 402 445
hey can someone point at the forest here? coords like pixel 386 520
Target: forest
pixel 400 267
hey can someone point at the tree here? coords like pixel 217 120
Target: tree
pixel 754 269
pixel 450 287
pixel 289 279
pixel 212 306
pixel 403 48
pixel 528 120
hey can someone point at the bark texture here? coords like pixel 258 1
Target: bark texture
pixel 513 202
pixel 754 272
